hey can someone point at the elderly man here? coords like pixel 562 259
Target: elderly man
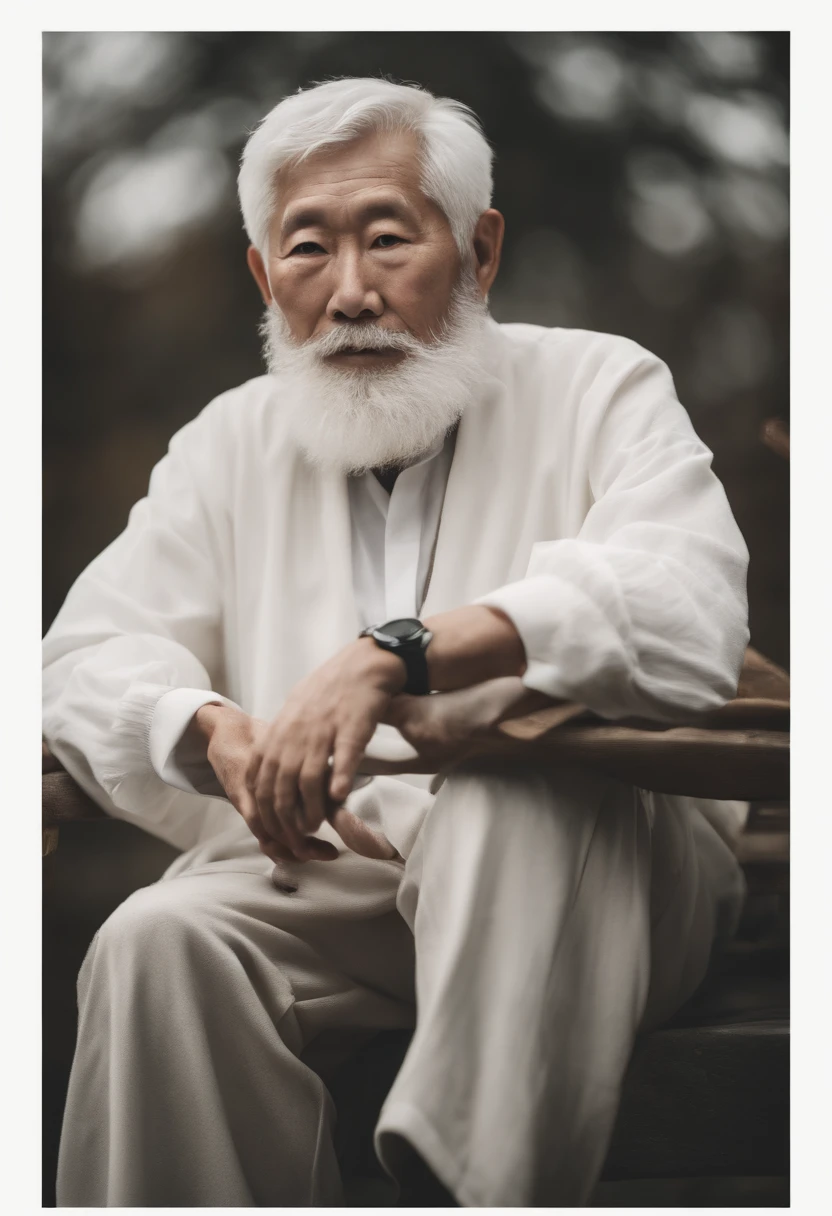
pixel 414 499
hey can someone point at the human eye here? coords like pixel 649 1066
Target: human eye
pixel 307 247
pixel 388 240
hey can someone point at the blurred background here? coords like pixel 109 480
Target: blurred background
pixel 644 181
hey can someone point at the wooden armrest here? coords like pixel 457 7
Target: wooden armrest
pixel 748 765
pixel 740 751
pixel 63 801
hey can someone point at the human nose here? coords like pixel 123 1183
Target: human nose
pixel 354 295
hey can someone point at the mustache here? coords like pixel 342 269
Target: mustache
pixel 361 336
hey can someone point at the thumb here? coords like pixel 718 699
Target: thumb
pixel 357 836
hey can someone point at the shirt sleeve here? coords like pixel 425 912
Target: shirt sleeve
pixel 175 759
pixel 143 618
pixel 644 612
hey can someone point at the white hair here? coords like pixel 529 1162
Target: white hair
pixel 456 165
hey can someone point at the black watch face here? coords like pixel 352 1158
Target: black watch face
pixel 401 630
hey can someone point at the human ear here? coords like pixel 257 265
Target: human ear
pixel 258 269
pixel 488 246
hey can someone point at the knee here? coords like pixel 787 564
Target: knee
pixel 152 920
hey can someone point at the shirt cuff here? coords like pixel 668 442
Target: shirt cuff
pixel 182 762
pixel 529 605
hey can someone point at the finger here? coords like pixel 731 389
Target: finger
pixel 275 850
pixel 286 797
pixel 246 806
pixel 264 797
pixel 276 826
pixel 273 847
pixel 312 781
pixel 357 836
pixel 320 850
pixel 279 821
pixel 313 850
pixel 349 748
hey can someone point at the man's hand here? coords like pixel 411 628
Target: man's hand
pixel 286 777
pixel 332 713
pixel 446 727
pixel 231 737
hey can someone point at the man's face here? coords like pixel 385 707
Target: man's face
pixel 354 239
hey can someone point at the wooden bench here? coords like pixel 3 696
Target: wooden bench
pixel 705 1100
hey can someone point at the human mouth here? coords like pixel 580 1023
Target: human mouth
pixel 367 350
pixel 365 354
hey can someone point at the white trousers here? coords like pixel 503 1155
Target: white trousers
pixel 546 919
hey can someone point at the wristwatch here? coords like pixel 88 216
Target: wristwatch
pixel 409 639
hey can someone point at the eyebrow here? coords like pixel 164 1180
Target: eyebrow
pixel 315 217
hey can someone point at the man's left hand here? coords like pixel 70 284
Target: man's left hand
pixel 332 713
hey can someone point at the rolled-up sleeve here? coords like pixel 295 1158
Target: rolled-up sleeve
pixel 644 611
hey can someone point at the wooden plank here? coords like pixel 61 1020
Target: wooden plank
pixel 744 764
pixel 763 848
pixel 63 801
pixel 49 841
pixel 768 816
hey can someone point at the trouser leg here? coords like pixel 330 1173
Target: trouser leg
pixel 196 1000
pixel 531 901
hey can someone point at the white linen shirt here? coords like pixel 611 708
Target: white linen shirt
pixel 579 501
pixel 392 536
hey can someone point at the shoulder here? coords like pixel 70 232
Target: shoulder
pixel 584 377
pixel 575 358
pixel 581 384
pixel 226 444
pixel 241 418
pixel 238 410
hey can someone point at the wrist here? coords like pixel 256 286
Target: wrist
pixel 204 722
pixel 385 668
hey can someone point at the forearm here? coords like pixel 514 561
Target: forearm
pixel 471 645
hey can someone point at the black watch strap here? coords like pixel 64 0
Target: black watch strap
pixel 416 662
pixel 408 638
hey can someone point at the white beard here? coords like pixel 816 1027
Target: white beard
pixel 358 419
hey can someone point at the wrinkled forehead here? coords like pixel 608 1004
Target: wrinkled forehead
pixel 382 169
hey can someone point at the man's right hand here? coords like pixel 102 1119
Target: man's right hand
pixel 230 736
